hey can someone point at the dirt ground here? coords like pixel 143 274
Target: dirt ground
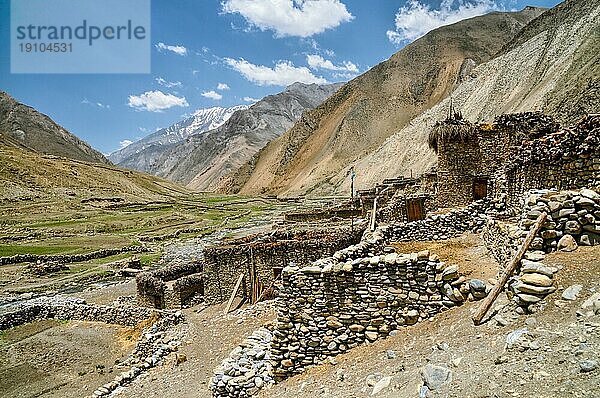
pixel 59 359
pixel 466 251
pixel 208 338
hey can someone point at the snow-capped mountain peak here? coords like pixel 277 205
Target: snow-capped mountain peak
pixel 200 121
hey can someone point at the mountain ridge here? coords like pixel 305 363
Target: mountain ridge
pixel 374 106
pixel 25 127
pixel 552 66
pixel 202 160
pixel 201 120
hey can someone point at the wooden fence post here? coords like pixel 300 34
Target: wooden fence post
pixel 514 263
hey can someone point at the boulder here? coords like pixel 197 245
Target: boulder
pixel 567 243
pixel 435 377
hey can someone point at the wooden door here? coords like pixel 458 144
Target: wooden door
pixel 415 209
pixel 480 188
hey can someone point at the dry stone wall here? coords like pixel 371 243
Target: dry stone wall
pixel 573 219
pixel 69 258
pixel 68 308
pixel 354 297
pixel 155 291
pixel 225 263
pixel 502 239
pixel 566 159
pixel 571 215
pixel 441 226
pixel 324 214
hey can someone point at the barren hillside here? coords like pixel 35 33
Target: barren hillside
pixel 360 116
pixel 553 65
pixel 27 176
pixel 23 126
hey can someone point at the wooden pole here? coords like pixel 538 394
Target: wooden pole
pixel 514 263
pixel 374 214
pixel 234 292
pixel 252 278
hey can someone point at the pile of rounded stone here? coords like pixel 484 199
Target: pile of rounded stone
pixel 534 282
pixel 154 344
pixel 573 218
pixel 247 369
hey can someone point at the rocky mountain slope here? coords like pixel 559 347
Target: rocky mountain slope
pixel 23 126
pixel 140 155
pixel 369 109
pixel 553 65
pixel 202 160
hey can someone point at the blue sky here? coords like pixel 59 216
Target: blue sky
pixel 227 52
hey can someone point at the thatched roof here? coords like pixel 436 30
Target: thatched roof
pixel 458 130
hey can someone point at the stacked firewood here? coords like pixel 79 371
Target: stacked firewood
pixel 533 124
pixel 575 141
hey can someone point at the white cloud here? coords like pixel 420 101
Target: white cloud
pixel 212 94
pixel 283 73
pixel 415 19
pixel 167 84
pixel 179 50
pixel 302 18
pixel 250 99
pixel 222 86
pixel 124 143
pixel 156 101
pixel 318 62
pixel 85 101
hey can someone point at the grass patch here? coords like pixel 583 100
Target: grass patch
pixel 11 250
pixel 149 259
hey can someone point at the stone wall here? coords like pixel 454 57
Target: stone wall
pixel 323 214
pixel 502 239
pixel 337 303
pixel 566 159
pixel 396 210
pixel 573 218
pixel 573 214
pixel 516 153
pixel 69 258
pixel 67 308
pixel 441 226
pixel 156 289
pixel 268 255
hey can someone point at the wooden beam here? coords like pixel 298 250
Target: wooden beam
pixel 374 214
pixel 234 292
pixel 252 278
pixel 514 263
